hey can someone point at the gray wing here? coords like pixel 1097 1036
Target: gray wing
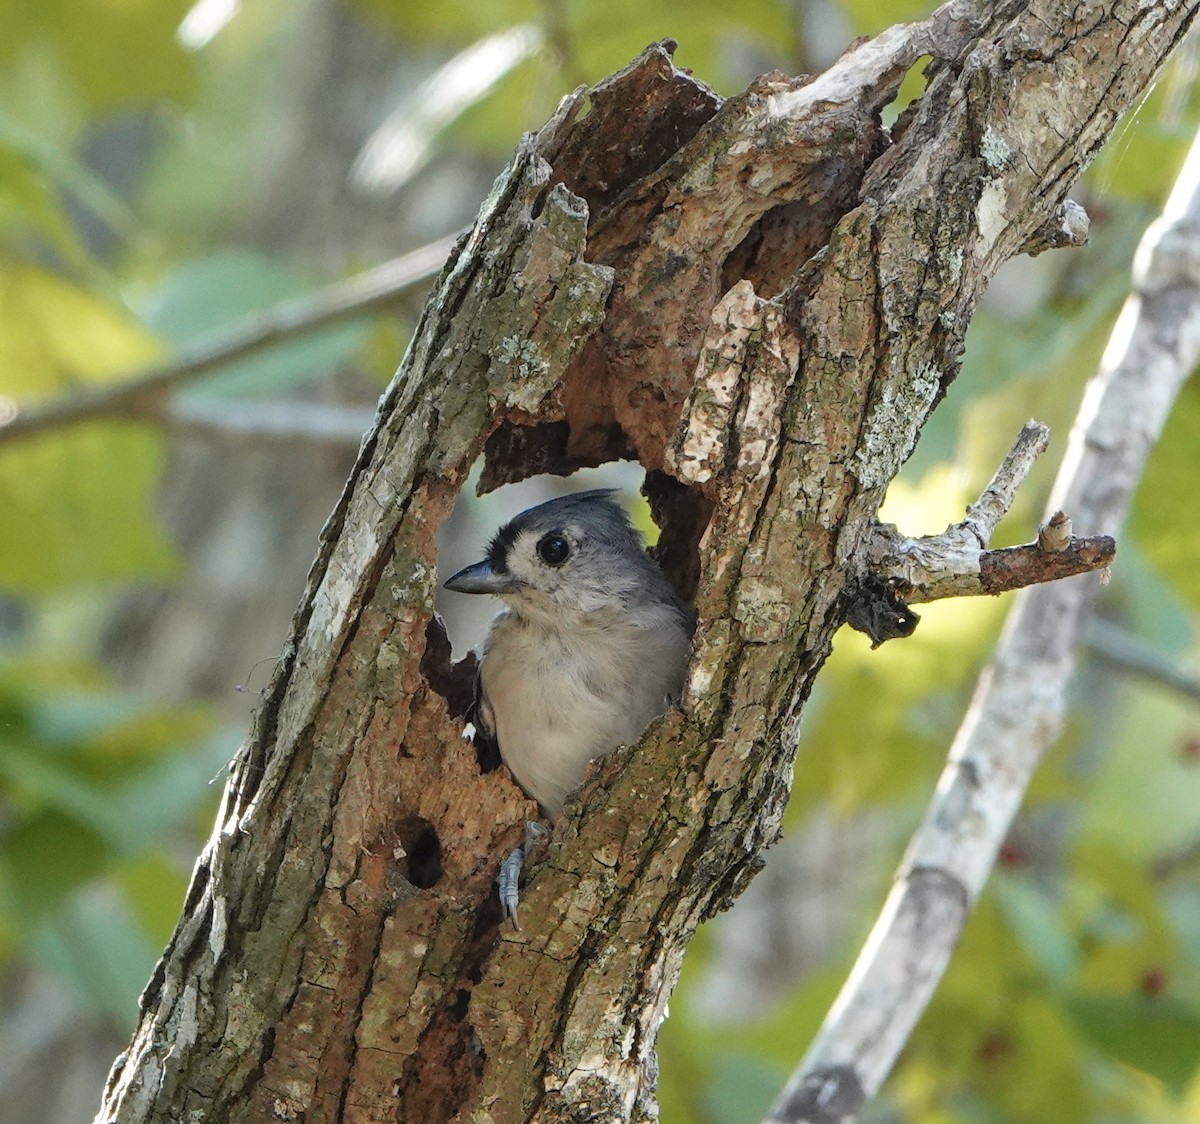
pixel 487 746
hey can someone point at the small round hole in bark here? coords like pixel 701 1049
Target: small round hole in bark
pixel 424 853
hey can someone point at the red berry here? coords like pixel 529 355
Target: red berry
pixel 995 1048
pixel 1154 981
pixel 1012 855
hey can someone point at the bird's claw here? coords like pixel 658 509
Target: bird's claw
pixel 509 878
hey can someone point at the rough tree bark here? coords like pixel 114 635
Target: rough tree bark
pixel 761 300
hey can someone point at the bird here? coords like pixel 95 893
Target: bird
pixel 592 644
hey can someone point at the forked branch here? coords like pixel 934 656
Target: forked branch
pixel 958 563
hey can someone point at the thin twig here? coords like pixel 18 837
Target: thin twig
pixel 143 391
pixel 244 420
pixel 1019 705
pixel 998 496
pixel 1121 650
pixel 1168 865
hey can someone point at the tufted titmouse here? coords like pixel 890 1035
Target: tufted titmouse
pixel 593 643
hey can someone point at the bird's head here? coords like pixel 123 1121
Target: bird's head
pixel 574 554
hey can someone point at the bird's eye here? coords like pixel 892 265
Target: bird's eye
pixel 553 549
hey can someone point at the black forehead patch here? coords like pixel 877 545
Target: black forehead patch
pixel 598 507
pixel 501 544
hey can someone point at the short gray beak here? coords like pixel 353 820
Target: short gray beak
pixel 481 578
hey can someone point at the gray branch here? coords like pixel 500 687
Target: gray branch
pixel 1018 709
pixel 958 563
pixel 1127 653
pixel 242 420
pixel 142 393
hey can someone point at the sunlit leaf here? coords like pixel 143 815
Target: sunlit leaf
pixel 79 508
pixel 55 335
pixel 153 887
pixel 381 355
pixel 114 54
pixel 870 17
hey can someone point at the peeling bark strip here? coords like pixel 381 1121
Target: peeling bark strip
pixel 771 298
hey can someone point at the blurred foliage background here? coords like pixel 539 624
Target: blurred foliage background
pixel 169 169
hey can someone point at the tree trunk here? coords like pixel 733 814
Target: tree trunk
pixel 761 300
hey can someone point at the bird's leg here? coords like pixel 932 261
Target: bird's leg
pixel 508 880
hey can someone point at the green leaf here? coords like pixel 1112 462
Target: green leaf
pixel 154 888
pixel 869 17
pixel 79 508
pixel 1143 797
pixel 386 343
pixel 126 772
pixel 114 55
pixel 213 293
pixel 1132 164
pixel 97 947
pixel 55 335
pixel 709 33
pixel 78 503
pixel 45 858
pixel 113 751
pixel 449 23
pixel 28 207
pixel 1158 1036
pixel 1037 924
pixel 740 1088
pixel 44 168
pixel 167 794
pixel 68 718
pixel 38 780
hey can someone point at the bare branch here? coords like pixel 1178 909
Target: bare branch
pixel 1016 567
pixel 957 563
pixel 1068 226
pixel 142 392
pixel 1125 652
pixel 241 420
pixel 998 496
pixel 1018 709
pixel 1167 865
